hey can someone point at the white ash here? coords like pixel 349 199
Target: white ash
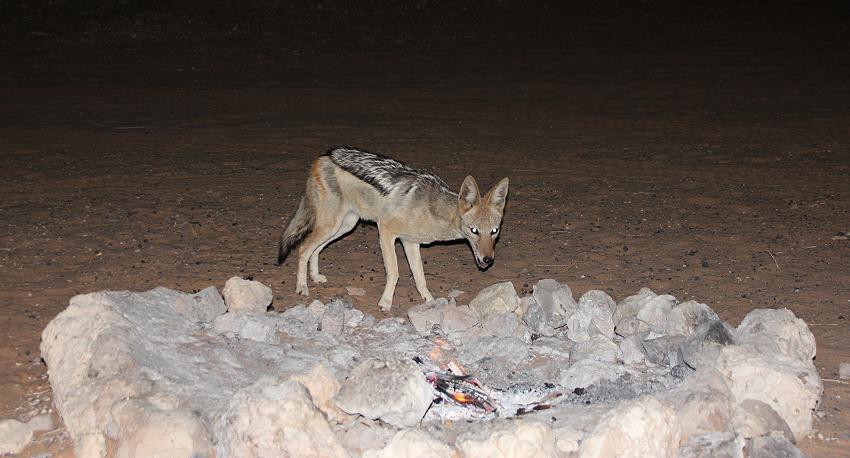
pixel 352 385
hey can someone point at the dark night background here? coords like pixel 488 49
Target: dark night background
pixel 701 149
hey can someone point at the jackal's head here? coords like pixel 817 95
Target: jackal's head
pixel 480 217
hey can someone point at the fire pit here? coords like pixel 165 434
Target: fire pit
pixel 542 375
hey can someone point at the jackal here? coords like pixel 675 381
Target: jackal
pixel 346 185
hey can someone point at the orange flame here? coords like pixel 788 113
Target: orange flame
pixel 462 398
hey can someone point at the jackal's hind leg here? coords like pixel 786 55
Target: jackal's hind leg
pixel 390 263
pixel 414 258
pixel 320 236
pixel 347 224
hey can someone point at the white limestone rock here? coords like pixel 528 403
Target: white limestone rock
pixel 412 443
pixel 655 312
pixel 423 317
pixel 753 418
pixel 248 296
pixel 778 330
pixel 274 417
pixel 702 348
pixel 594 316
pixel 515 439
pixel 684 318
pixel 323 387
pixel 772 447
pixel 631 305
pixel 639 428
pixel 555 300
pixel 365 392
pixel 256 327
pixel 702 404
pixel 598 347
pixel 501 324
pixel 497 298
pixel 14 436
pixel 41 423
pixel 630 351
pixel 791 387
pixel 201 307
pixel 458 318
pixel 147 430
pixel 713 445
pixel 589 371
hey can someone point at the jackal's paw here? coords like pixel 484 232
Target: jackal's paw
pixel 302 290
pixel 319 278
pixel 385 304
pixel 427 297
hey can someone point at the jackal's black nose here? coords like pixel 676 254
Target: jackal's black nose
pixel 488 260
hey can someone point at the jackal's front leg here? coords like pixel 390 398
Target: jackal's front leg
pixel 414 258
pixel 390 263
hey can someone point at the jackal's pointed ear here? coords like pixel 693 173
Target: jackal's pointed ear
pixel 469 196
pixel 498 195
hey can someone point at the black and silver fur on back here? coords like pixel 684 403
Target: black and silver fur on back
pixel 386 175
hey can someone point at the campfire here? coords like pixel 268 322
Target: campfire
pixel 544 371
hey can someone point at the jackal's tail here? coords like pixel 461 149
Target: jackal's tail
pixel 300 225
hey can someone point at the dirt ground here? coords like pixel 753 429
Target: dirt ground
pixel 721 176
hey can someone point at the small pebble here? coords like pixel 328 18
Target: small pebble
pixel 355 291
pixel 844 371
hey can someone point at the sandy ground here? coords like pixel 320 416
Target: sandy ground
pixel 722 177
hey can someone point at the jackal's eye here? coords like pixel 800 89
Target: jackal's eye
pixel 474 230
pixel 495 231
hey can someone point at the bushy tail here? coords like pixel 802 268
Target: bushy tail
pixel 300 225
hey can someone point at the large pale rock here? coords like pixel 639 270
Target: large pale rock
pixel 412 443
pixel 498 298
pixel 702 347
pixel 323 386
pixel 753 418
pixel 249 296
pixel 631 326
pixel 630 306
pixel 14 436
pixel 110 347
pixel 203 306
pixel 365 435
pixel 630 351
pixel 772 447
pixel 275 418
pixel 501 324
pixel 458 318
pixel 684 318
pixel 640 428
pixel 598 347
pixel 594 316
pixel 149 431
pixel 365 392
pixel 702 404
pixel 256 327
pixel 664 350
pixel 535 318
pixel 773 331
pixel 42 422
pixel 555 300
pixel 587 372
pixel 424 316
pixel 790 386
pixel 515 439
pixel 713 445
pixel 655 312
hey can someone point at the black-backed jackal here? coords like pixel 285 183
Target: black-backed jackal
pixel 346 185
